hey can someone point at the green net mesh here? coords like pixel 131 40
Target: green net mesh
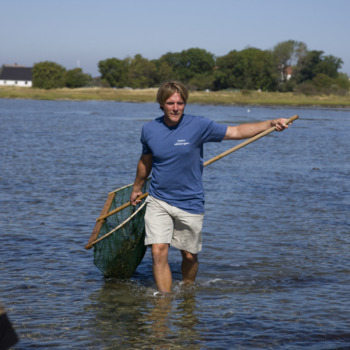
pixel 119 253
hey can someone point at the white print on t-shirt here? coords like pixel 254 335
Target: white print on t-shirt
pixel 181 143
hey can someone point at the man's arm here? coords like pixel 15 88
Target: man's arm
pixel 248 130
pixel 144 168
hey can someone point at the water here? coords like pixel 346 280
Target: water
pixel 274 271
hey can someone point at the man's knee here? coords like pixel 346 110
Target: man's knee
pixel 160 252
pixel 189 257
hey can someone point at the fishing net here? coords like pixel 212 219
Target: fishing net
pixel 119 246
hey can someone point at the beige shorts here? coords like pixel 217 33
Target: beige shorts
pixel 168 224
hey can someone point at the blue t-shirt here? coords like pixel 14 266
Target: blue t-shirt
pixel 177 154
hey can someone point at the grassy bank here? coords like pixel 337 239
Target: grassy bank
pixel 202 97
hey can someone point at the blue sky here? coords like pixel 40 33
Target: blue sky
pixel 83 32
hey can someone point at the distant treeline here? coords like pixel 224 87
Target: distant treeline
pixel 289 66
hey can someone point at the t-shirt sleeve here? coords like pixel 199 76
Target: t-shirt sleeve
pixel 145 147
pixel 212 131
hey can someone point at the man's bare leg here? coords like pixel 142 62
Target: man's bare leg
pixel 189 266
pixel 161 269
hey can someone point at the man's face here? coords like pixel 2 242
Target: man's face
pixel 173 109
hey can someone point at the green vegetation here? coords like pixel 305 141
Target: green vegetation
pixel 227 97
pixel 75 78
pixel 288 67
pixel 289 74
pixel 50 75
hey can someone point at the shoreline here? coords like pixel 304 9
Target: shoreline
pixel 240 98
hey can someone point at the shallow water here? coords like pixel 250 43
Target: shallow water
pixel 274 271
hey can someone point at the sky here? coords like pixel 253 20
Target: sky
pixel 80 33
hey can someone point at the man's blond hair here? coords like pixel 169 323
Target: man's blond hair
pixel 168 89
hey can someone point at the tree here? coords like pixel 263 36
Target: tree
pixel 75 78
pixel 142 72
pixel 196 61
pixel 247 69
pixel 288 53
pixel 172 60
pixel 189 63
pixel 314 63
pixel 114 71
pixel 226 74
pixel 164 72
pixel 306 66
pixel 329 65
pixel 48 75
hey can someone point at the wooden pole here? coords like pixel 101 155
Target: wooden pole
pixel 247 142
pixel 114 211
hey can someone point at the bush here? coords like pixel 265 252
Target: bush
pixel 324 84
pixel 75 78
pixel 48 75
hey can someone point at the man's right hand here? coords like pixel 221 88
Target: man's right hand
pixel 133 197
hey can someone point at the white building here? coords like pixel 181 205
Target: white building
pixel 15 76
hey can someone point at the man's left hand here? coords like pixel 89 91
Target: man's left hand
pixel 280 124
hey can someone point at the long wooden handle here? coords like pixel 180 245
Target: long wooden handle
pixel 231 150
pixel 247 142
pixel 114 211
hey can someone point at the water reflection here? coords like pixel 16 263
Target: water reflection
pixel 133 316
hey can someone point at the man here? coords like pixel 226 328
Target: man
pixel 173 151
